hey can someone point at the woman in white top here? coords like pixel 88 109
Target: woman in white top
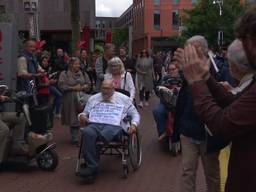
pixel 122 79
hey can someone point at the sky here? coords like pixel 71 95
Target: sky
pixel 111 8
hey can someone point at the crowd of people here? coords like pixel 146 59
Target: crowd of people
pixel 212 108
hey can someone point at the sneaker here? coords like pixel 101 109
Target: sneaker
pixel 161 137
pixel 88 172
pixel 22 149
pixel 146 103
pixel 57 116
pixel 141 104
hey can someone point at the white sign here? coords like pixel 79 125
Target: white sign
pixel 106 113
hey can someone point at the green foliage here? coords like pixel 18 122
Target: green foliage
pixel 100 48
pixel 120 36
pixel 4 18
pixel 204 19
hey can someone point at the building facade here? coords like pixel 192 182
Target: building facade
pixel 126 19
pixel 155 21
pixel 103 29
pixel 54 20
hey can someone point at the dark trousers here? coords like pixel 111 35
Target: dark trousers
pixel 144 95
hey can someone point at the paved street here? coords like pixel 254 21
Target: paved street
pixel 160 172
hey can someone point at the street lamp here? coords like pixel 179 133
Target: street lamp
pixel 31 8
pixel 220 32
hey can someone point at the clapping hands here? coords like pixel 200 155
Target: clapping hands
pixel 193 62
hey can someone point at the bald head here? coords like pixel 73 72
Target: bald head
pixel 107 89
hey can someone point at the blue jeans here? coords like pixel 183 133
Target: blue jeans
pixel 57 98
pixel 90 134
pixel 160 116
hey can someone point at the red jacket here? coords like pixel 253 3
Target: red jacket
pixel 43 86
pixel 232 117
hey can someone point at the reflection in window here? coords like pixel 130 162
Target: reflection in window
pixel 175 17
pixel 156 2
pixel 175 1
pixel 157 19
pixel 194 1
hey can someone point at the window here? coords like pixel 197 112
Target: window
pixel 175 1
pixel 157 19
pixel 2 9
pixel 175 18
pixel 103 24
pixel 194 2
pixel 97 24
pixel 156 2
pixel 60 5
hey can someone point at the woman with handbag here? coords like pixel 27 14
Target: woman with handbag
pixel 73 83
pixel 123 81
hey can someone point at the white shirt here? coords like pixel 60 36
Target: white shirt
pixel 128 86
pixel 117 98
pixel 245 82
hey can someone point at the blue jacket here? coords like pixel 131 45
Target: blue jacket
pixel 32 66
pixel 187 120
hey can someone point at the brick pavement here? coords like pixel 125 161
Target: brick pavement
pixel 160 172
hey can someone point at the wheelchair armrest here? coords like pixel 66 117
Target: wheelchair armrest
pixel 127 119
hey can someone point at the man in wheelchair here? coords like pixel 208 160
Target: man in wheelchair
pixel 103 117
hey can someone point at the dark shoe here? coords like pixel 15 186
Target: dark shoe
pixel 88 172
pixel 75 143
pixel 21 150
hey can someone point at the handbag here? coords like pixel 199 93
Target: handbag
pixel 82 99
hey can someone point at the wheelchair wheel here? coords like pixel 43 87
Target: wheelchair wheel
pixel 135 150
pixel 48 160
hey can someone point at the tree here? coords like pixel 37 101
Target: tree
pixel 204 19
pixel 120 36
pixel 75 23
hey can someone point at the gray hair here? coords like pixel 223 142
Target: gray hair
pixel 201 40
pixel 115 61
pixel 237 55
pixel 71 61
pixel 109 46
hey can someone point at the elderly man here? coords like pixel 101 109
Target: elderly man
pixel 193 137
pixel 227 115
pixel 27 66
pixel 104 114
pixel 102 63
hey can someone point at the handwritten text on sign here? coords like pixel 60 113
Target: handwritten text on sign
pixel 107 113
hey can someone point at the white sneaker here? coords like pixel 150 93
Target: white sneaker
pixel 146 103
pixel 141 104
pixel 58 116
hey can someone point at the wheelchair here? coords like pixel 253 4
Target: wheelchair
pixel 127 147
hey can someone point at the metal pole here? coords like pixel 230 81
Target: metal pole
pixel 37 22
pixel 220 32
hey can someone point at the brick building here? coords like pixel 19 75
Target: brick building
pixel 154 21
pixel 54 20
pixel 126 19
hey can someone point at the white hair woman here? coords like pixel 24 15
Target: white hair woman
pixel 122 79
